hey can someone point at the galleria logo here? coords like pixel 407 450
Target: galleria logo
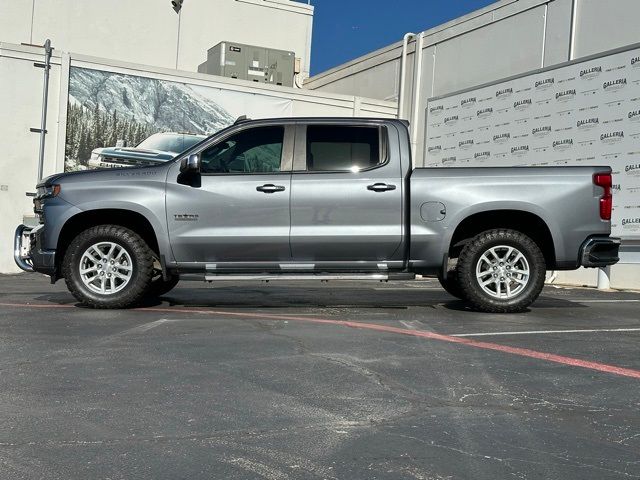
pixel 451 120
pixel 435 148
pixel 635 62
pixel 504 93
pixel 613 85
pixel 632 168
pixel 612 137
pixel 546 83
pixel 446 160
pixel 522 104
pixel 634 116
pixel 616 187
pixel 541 131
pixel 590 73
pixel 502 138
pixel 436 109
pixel 566 95
pixel 482 155
pixel 465 144
pixel 521 150
pixel 563 144
pixel 588 123
pixel 485 112
pixel 630 221
pixel 468 102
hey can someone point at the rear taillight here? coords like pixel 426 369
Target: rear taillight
pixel 606 200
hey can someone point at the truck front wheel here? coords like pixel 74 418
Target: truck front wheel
pixel 108 266
pixel 450 283
pixel 501 271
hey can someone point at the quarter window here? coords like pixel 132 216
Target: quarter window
pixel 257 150
pixel 342 149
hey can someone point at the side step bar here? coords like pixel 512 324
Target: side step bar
pixel 308 276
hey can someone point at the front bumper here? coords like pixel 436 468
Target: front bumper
pixel 29 254
pixel 600 252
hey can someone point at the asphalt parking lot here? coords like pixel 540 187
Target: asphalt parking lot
pixel 335 381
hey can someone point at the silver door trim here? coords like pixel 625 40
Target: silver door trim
pixel 286 161
pixel 300 149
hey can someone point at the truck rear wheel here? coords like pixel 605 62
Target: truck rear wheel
pixel 108 266
pixel 501 271
pixel 159 286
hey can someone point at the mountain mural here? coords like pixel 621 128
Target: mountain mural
pixel 170 106
pixel 106 108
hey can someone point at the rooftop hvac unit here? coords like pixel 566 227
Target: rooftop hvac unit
pixel 248 62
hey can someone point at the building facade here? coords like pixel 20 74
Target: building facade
pixel 150 32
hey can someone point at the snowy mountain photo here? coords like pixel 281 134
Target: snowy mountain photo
pixel 108 108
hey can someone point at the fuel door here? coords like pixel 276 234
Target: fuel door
pixel 433 211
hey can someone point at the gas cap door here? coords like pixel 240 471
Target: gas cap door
pixel 433 211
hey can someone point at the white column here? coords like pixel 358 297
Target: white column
pixel 604 278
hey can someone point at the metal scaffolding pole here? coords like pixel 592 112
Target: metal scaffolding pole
pixel 45 100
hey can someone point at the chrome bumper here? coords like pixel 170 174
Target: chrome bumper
pixel 600 252
pixel 22 248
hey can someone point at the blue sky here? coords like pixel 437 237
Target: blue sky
pixel 346 29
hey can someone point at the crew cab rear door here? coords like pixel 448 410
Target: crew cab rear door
pixel 234 214
pixel 346 196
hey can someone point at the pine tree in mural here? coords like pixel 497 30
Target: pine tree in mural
pixel 96 128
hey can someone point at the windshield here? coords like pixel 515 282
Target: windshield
pixel 170 142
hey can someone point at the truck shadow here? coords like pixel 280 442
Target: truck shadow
pixel 328 297
pixel 312 296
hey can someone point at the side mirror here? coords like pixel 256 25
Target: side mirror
pixel 190 164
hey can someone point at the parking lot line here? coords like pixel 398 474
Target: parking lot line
pixel 522 352
pixel 602 301
pixel 542 332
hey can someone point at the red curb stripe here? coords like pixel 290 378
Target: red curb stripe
pixel 522 352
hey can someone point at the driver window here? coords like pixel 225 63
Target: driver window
pixel 257 150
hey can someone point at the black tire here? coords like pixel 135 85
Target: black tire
pixel 471 255
pixel 141 267
pixel 159 286
pixel 450 284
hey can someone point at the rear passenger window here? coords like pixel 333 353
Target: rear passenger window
pixel 342 149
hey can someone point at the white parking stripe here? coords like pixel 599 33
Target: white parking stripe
pixel 541 332
pixel 407 288
pixel 606 301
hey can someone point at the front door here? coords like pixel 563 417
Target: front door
pixel 237 210
pixel 346 197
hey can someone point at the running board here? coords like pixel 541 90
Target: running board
pixel 296 276
pixel 265 277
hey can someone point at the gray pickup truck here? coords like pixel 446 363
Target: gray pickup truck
pixel 317 198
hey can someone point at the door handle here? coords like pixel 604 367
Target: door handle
pixel 270 188
pixel 381 187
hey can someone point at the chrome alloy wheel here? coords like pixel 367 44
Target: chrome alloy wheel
pixel 106 268
pixel 503 272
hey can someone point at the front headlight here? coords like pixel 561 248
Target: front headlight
pixel 48 191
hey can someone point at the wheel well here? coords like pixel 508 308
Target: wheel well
pixel 528 223
pixel 125 218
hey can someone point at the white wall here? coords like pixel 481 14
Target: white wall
pixel 20 108
pixel 150 32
